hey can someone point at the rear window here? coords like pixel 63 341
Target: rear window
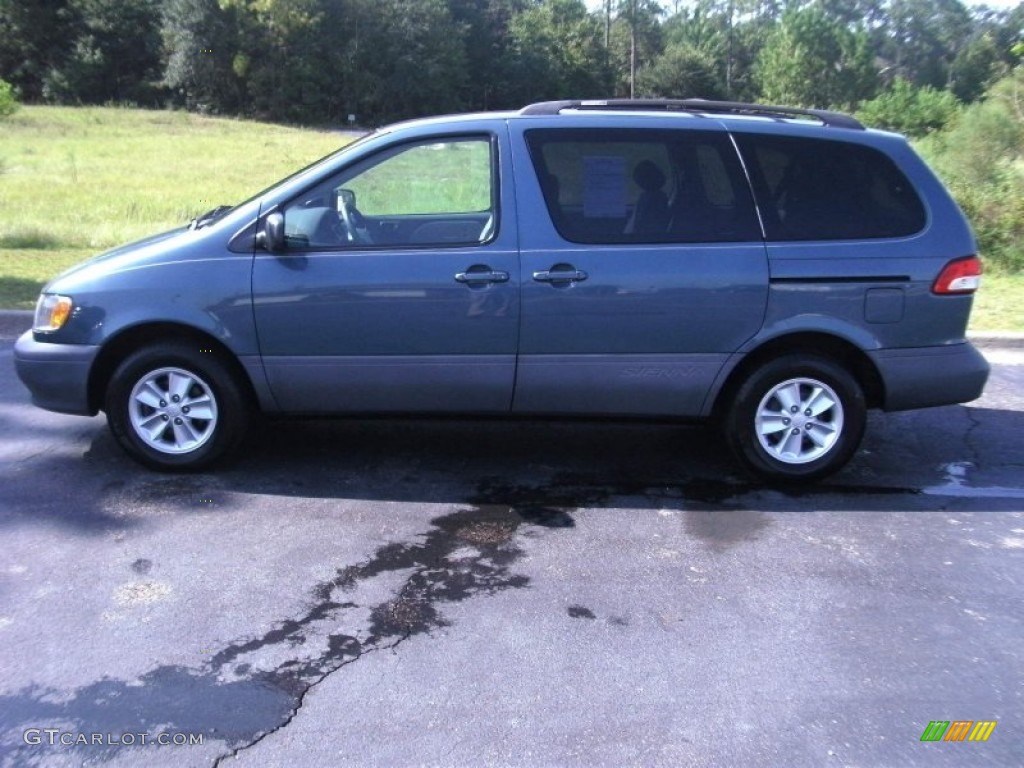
pixel 813 189
pixel 643 186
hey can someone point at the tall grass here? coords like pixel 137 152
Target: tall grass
pixel 981 157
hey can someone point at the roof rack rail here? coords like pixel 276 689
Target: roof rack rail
pixel 825 117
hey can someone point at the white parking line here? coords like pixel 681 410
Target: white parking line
pixel 956 485
pixel 1004 356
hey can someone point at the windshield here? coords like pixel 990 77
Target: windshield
pixel 216 213
pixel 311 167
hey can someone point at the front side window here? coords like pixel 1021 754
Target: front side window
pixel 437 192
pixel 643 186
pixel 815 189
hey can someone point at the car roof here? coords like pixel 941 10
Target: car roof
pixel 727 115
pixel 720 109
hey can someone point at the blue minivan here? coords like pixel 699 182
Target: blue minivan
pixel 777 270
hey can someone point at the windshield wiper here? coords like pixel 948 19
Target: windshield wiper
pixel 209 217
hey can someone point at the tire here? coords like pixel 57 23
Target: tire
pixel 798 418
pixel 204 425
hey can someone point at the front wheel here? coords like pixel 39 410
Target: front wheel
pixel 796 418
pixel 174 407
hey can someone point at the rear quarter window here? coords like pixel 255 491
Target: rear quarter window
pixel 814 189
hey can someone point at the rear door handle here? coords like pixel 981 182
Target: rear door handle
pixel 560 273
pixel 486 275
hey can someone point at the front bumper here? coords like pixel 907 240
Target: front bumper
pixel 57 375
pixel 927 376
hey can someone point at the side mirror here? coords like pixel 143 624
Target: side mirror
pixel 270 236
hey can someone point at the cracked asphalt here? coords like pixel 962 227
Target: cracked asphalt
pixel 450 593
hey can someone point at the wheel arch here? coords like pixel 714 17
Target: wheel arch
pixel 135 337
pixel 825 345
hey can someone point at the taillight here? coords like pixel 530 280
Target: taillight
pixel 960 276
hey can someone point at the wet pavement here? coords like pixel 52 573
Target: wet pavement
pixel 455 593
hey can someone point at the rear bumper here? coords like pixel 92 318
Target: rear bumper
pixel 57 375
pixel 927 376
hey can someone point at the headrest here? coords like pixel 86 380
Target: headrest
pixel 648 176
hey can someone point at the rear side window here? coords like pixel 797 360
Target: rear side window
pixel 813 189
pixel 643 186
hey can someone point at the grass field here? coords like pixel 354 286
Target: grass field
pixel 77 181
pixel 999 305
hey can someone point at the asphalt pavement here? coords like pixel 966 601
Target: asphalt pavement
pixel 495 593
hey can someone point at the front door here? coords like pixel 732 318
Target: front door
pixel 643 268
pixel 398 288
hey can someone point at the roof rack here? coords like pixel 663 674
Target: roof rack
pixel 825 117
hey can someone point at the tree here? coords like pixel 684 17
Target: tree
pixel 488 50
pixel 681 72
pixel 201 47
pixel 732 32
pixel 979 158
pixel 921 39
pixel 639 38
pixel 558 53
pixel 114 54
pixel 811 60
pixel 8 102
pixel 975 66
pixel 910 110
pixel 694 37
pixel 865 13
pixel 34 40
pixel 277 57
pixel 422 67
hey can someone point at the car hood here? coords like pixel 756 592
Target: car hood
pixel 135 254
pixel 133 251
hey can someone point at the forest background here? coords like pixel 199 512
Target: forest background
pixel 947 74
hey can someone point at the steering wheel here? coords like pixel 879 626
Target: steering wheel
pixel 354 221
pixel 348 219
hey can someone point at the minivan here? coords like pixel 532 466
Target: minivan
pixel 777 271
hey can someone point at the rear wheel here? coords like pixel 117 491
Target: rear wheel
pixel 797 418
pixel 174 407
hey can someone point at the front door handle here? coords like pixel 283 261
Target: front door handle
pixel 478 274
pixel 560 273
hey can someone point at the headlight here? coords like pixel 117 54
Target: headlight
pixel 52 311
